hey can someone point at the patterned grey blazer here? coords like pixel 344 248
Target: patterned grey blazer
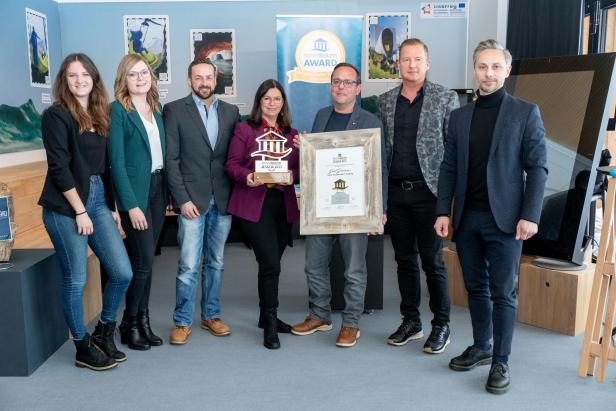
pixel 438 102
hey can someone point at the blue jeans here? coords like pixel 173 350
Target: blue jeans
pixel 202 245
pixel 72 251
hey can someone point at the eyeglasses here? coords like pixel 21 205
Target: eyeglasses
pixel 345 83
pixel 268 100
pixel 136 74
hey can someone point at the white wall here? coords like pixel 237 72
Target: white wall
pixel 487 20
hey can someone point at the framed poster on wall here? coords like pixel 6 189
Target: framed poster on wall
pixel 149 36
pixel 38 48
pixel 219 46
pixel 384 33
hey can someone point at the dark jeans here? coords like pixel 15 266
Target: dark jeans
pixel 410 221
pixel 269 237
pixel 141 245
pixel 489 260
pixel 72 251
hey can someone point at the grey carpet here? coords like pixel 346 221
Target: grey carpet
pixel 307 373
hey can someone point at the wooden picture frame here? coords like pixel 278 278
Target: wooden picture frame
pixel 330 160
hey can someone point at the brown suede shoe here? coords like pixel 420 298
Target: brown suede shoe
pixel 179 334
pixel 216 327
pixel 310 326
pixel 347 337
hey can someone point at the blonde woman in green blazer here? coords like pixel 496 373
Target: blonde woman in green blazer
pixel 136 154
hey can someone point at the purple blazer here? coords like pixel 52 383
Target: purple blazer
pixel 246 202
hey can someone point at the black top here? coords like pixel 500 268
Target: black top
pixel 480 140
pixel 68 162
pixel 405 163
pixel 338 121
pixel 96 151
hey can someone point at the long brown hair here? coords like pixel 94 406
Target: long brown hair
pixel 284 117
pixel 96 117
pixel 120 89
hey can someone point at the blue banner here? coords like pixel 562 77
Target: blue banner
pixel 309 47
pixel 5 221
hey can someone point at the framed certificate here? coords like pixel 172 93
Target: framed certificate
pixel 340 182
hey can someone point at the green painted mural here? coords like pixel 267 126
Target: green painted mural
pixel 20 128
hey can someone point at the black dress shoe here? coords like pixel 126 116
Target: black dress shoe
pixel 470 358
pixel 143 317
pixel 498 380
pixel 408 330
pixel 281 325
pixel 438 339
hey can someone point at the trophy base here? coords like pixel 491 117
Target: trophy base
pixel 274 178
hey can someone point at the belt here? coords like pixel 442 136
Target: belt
pixel 157 171
pixel 408 184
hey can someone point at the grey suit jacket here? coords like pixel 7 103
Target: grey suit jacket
pixel 517 165
pixel 195 169
pixel 438 102
pixel 359 119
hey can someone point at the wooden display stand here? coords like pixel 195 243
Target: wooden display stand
pixel 555 300
pixel 457 290
pixel 597 337
pixel 26 183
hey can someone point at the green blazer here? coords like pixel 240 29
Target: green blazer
pixel 130 157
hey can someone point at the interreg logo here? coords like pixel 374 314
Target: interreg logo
pixel 316 55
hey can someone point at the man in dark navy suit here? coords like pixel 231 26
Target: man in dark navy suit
pixel 494 170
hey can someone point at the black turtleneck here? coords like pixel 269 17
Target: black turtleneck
pixel 480 140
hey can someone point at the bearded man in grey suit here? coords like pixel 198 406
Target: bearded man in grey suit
pixel 199 128
pixel 415 115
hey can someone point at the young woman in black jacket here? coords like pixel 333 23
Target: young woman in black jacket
pixel 78 205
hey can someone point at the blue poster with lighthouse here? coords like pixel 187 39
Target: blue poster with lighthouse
pixel 308 49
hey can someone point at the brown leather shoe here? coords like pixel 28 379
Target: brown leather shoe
pixel 179 334
pixel 310 326
pixel 347 337
pixel 216 327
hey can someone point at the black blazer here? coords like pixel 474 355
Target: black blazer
pixel 517 170
pixel 194 168
pixel 67 165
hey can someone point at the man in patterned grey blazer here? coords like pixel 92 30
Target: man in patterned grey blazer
pixel 415 115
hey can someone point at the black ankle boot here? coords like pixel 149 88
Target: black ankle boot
pixel 90 356
pixel 270 330
pixel 129 333
pixel 143 318
pixel 281 325
pixel 103 338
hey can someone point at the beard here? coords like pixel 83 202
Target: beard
pixel 203 92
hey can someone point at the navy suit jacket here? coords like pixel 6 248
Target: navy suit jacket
pixel 516 169
pixel 360 119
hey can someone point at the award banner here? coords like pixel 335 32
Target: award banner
pixel 309 47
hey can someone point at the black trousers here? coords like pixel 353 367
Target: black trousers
pixel 141 246
pixel 410 221
pixel 489 259
pixel 269 237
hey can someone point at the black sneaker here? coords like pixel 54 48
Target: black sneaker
pixel 470 358
pixel 498 380
pixel 408 330
pixel 438 339
pixel 90 356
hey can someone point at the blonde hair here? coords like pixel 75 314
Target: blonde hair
pixel 120 89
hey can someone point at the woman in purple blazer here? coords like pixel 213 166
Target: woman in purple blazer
pixel 266 211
